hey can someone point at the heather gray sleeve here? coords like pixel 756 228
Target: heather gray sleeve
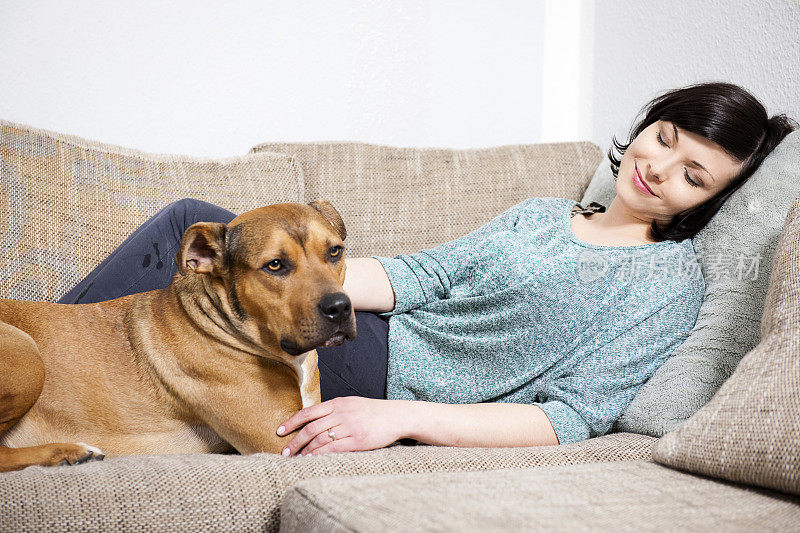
pixel 430 274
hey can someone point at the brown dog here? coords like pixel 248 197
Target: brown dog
pixel 214 362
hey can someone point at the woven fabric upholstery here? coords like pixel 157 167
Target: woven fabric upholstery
pixel 400 200
pixel 614 497
pixel 750 430
pixel 66 203
pixel 242 493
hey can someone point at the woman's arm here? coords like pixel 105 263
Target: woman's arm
pixel 479 424
pixel 368 286
pixel 367 423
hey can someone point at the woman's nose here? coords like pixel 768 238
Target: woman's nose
pixel 661 166
pixel 656 169
pixel 653 171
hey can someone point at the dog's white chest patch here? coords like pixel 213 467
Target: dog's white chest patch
pixel 301 368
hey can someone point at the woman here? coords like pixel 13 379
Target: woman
pixel 539 327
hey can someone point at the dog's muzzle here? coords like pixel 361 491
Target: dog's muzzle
pixel 338 322
pixel 335 307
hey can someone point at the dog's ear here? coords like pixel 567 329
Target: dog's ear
pixel 331 215
pixel 203 249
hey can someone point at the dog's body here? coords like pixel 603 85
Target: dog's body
pixel 214 362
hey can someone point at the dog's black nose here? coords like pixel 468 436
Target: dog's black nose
pixel 335 307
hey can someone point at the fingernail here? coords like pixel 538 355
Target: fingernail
pixel 285 452
pixel 281 430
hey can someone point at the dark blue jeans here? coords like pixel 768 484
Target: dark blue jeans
pixel 145 261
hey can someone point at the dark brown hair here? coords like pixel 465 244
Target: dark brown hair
pixel 723 113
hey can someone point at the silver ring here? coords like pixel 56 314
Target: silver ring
pixel 331 434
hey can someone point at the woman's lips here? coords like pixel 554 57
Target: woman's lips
pixel 637 179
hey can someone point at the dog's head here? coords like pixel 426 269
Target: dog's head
pixel 281 268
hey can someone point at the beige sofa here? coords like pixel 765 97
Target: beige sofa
pixel 66 202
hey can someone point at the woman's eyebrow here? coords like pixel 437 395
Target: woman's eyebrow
pixel 675 129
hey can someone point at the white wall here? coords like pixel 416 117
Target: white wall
pixel 644 47
pixel 215 78
pixel 568 69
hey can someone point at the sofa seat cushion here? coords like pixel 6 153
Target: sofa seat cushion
pixel 621 496
pixel 400 200
pixel 243 493
pixel 67 202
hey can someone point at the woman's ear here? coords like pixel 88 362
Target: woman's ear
pixel 203 249
pixel 331 215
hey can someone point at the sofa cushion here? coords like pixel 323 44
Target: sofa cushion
pixel 66 203
pixel 242 493
pixel 745 229
pixel 750 430
pixel 628 496
pixel 401 200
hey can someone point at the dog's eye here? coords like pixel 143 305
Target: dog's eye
pixel 273 265
pixel 336 251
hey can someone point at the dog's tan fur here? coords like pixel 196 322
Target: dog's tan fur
pixel 194 368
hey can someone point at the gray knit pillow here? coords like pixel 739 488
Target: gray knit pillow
pixel 745 230
pixel 750 430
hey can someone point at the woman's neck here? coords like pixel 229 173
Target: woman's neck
pixel 621 223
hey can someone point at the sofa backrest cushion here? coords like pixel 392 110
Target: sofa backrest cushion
pixel 402 200
pixel 66 203
pixel 750 430
pixel 735 252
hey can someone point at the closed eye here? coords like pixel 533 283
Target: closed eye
pixel 685 172
pixel 691 182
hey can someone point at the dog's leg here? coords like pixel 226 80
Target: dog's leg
pixel 21 382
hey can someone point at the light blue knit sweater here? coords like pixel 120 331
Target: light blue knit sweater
pixel 522 311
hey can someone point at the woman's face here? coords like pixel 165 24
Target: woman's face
pixel 680 168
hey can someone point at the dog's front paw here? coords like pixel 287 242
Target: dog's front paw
pixel 74 454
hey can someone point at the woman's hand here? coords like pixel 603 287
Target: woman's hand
pixel 356 424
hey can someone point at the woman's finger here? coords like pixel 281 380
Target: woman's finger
pixel 347 444
pixel 303 416
pixel 308 433
pixel 323 439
